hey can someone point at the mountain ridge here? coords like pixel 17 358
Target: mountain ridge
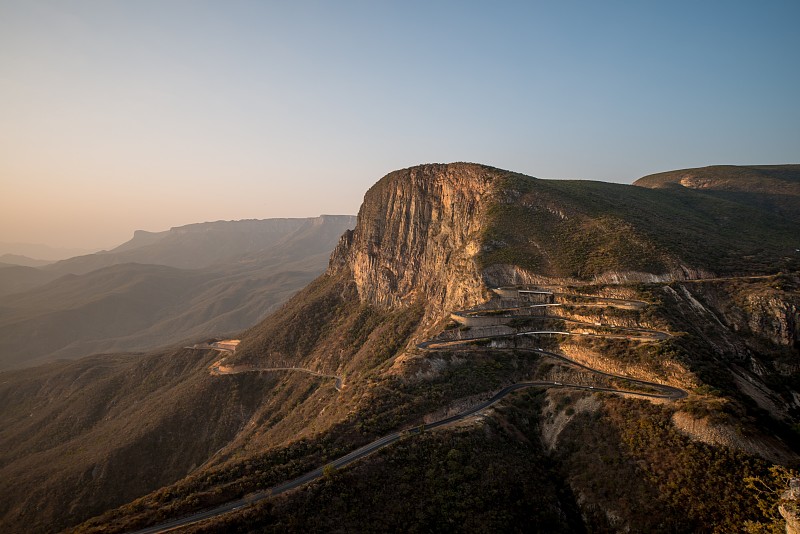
pixel 137 306
pixel 197 245
pixel 773 187
pixel 432 240
pixel 25 261
pixel 509 216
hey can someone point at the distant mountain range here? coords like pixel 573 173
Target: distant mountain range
pixel 161 288
pixel 577 303
pixel 40 252
pixel 17 259
pixel 202 245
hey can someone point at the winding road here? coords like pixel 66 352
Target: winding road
pixel 665 392
pixel 217 369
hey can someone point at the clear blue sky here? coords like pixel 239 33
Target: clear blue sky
pixel 148 114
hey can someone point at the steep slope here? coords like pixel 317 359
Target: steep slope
pixel 141 238
pixel 137 307
pixel 594 230
pixel 431 217
pixel 79 436
pixel 475 219
pixel 64 316
pixel 442 230
pixel 570 453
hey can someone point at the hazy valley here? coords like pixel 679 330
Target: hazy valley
pixel 162 288
pixel 615 358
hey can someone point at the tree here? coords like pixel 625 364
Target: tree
pixel 768 491
pixel 328 471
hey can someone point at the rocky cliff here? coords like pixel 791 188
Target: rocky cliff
pixel 429 240
pixel 444 232
pixel 789 508
pixel 418 233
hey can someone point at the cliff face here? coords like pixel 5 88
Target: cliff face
pixel 430 240
pixel 418 235
pixel 442 232
pixel 789 508
pixel 761 315
pixel 776 317
pixel 749 329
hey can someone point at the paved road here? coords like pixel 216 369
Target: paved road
pixel 639 334
pixel 609 301
pixel 217 369
pixel 664 392
pixel 669 393
pixel 601 302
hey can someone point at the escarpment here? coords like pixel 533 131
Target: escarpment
pixel 418 235
pixel 445 232
pixel 364 355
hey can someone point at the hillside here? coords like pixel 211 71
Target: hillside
pixel 201 245
pixel 771 187
pixel 132 306
pixel 19 278
pixel 18 259
pixel 592 230
pixel 613 388
pixel 101 428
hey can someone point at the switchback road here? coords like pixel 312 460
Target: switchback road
pixel 217 369
pixel 663 392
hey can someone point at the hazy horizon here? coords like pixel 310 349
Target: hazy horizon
pixel 120 116
pixel 46 251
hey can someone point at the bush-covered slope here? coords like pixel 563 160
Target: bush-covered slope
pixel 560 460
pixel 773 188
pixel 80 437
pixel 582 229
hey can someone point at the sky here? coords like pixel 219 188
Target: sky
pixel 148 114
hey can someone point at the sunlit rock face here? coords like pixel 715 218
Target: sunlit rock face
pixel 418 235
pixel 790 507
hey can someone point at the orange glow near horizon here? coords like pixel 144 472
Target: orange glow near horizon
pixel 117 116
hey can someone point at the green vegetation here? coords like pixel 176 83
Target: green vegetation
pixel 582 229
pixel 484 479
pixel 160 428
pixel 768 187
pixel 596 452
pixel 132 416
pixel 326 327
pixel 631 452
pixel 768 490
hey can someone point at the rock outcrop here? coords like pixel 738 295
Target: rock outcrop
pixel 417 236
pixel 790 507
pixel 703 430
pixel 444 232
pixel 774 317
